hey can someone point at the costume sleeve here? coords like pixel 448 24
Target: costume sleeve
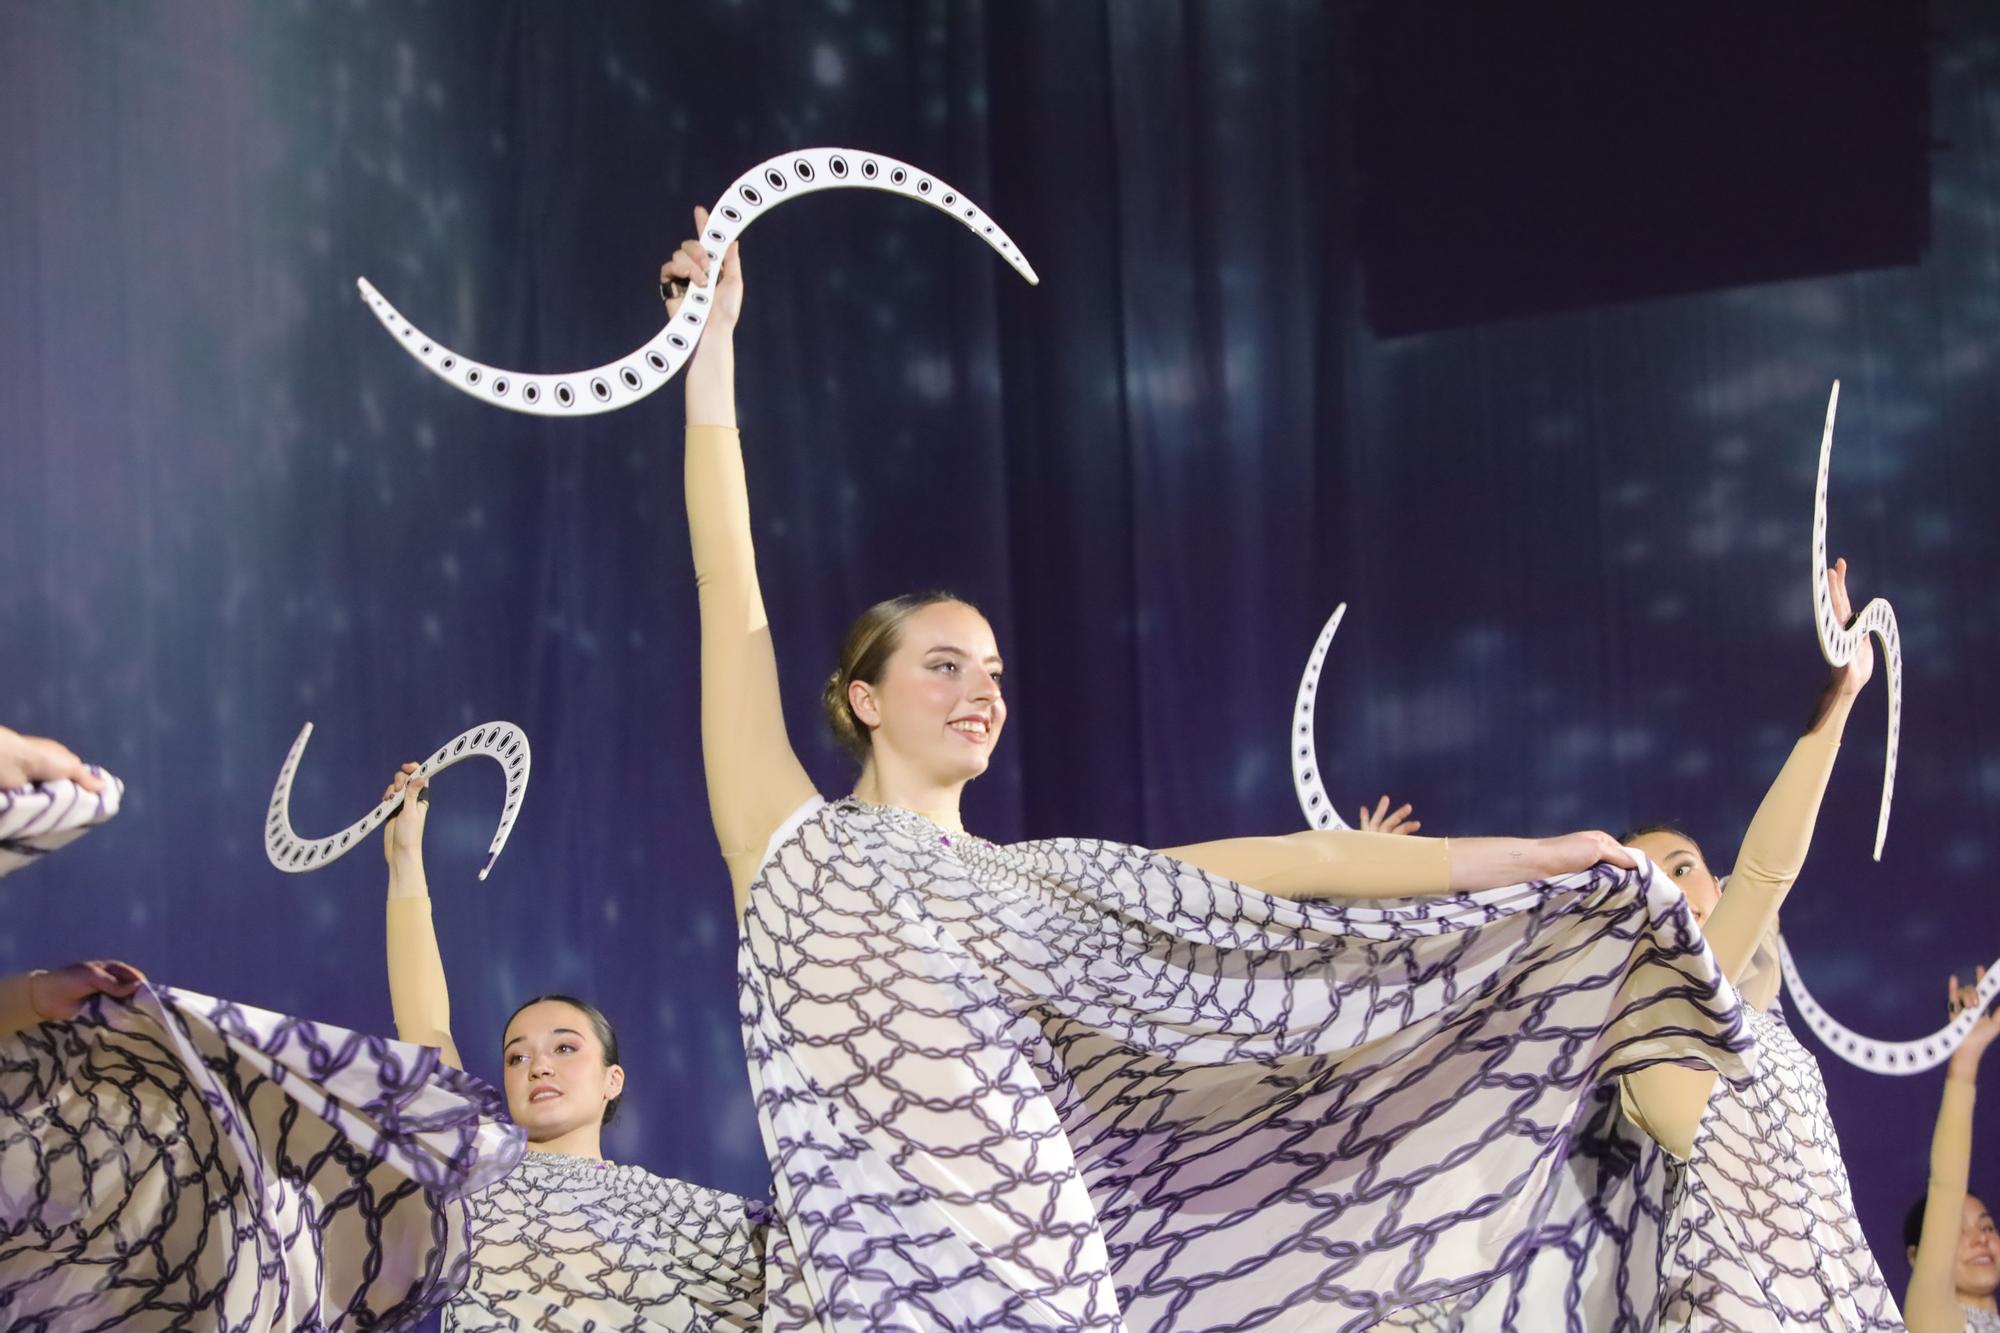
pixel 1328 863
pixel 1931 1304
pixel 754 779
pixel 1773 852
pixel 1668 1101
pixel 417 991
pixel 17 1006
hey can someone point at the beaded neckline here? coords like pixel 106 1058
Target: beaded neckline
pixel 915 821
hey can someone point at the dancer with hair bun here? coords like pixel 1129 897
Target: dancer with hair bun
pixel 1290 1082
pixel 569 1239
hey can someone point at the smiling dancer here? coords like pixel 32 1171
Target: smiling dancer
pixel 1076 1085
pixel 172 1161
pixel 568 1240
pixel 1954 1249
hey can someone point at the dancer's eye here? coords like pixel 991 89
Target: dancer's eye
pixel 946 665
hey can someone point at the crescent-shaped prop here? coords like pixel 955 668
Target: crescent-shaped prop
pixel 1840 642
pixel 1306 782
pixel 621 383
pixel 1886 1057
pixel 502 742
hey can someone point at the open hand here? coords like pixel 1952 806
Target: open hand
pixel 690 267
pixel 1384 820
pixel 30 759
pixel 58 995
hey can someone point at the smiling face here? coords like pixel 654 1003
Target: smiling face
pixel 1677 855
pixel 555 1073
pixel 1977 1272
pixel 936 710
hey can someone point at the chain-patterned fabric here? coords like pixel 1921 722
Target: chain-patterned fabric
pixel 1080 1085
pixel 576 1243
pixel 37 819
pixel 1980 1321
pixel 1762 1234
pixel 175 1162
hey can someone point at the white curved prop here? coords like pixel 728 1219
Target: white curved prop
pixel 503 742
pixel 1886 1057
pixel 621 383
pixel 1839 643
pixel 1313 800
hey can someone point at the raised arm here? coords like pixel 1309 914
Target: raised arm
pixel 417 991
pixel 755 781
pixel 1931 1304
pixel 1668 1101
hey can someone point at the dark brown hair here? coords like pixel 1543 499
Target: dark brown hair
pixel 599 1024
pixel 870 641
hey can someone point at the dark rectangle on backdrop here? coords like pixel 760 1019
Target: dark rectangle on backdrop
pixel 1539 155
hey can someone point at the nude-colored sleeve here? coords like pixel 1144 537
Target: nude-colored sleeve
pixel 17 1006
pixel 417 991
pixel 1328 863
pixel 754 779
pixel 1668 1101
pixel 1931 1303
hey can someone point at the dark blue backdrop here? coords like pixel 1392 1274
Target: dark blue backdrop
pixel 1575 545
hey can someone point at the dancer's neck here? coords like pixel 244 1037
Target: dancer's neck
pixel 937 803
pixel 583 1141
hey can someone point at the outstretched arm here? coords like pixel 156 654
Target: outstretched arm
pixel 417 991
pixel 754 779
pixel 1931 1303
pixel 1340 863
pixel 33 998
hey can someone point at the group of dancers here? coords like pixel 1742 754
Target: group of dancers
pixel 1330 1080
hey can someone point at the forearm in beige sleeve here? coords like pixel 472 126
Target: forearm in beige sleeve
pixel 17 1006
pixel 1328 863
pixel 754 779
pixel 417 991
pixel 1773 852
pixel 1931 1304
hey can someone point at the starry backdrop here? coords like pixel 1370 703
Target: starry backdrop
pixel 1574 544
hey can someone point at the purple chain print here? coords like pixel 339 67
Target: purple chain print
pixel 1078 1085
pixel 572 1242
pixel 178 1162
pixel 1761 1233
pixel 37 819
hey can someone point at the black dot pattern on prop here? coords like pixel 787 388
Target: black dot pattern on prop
pixel 564 1241
pixel 1079 1085
pixel 1761 1232
pixel 1883 1057
pixel 1307 783
pixel 617 385
pixel 174 1153
pixel 502 742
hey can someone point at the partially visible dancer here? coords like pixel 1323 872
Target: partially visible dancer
pixel 568 1240
pixel 1285 1083
pixel 1761 1231
pixel 1953 1247
pixel 172 1161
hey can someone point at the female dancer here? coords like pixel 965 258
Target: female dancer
pixel 1953 1247
pixel 169 1160
pixel 568 1236
pixel 1075 1085
pixel 1760 1230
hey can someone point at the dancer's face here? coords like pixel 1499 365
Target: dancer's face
pixel 937 711
pixel 1683 864
pixel 554 1070
pixel 1978 1271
